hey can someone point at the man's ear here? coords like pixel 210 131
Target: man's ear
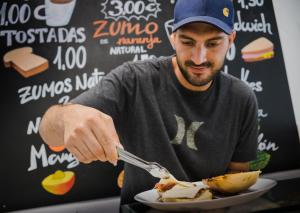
pixel 172 40
pixel 232 38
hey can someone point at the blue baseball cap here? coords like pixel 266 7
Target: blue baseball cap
pixel 219 13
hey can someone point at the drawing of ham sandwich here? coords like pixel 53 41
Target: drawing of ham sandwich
pixel 258 50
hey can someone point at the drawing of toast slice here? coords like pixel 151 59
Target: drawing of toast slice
pixel 25 62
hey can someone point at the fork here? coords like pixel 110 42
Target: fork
pixel 155 169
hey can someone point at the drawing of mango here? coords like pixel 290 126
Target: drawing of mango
pixel 57 148
pixel 59 183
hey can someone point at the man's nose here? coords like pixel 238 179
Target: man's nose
pixel 199 55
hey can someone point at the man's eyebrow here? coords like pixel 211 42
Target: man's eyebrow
pixel 210 39
pixel 185 37
pixel 216 38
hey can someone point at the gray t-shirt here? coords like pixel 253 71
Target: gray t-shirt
pixel 194 135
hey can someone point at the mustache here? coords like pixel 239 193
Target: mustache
pixel 203 65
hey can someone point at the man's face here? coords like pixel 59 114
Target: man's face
pixel 200 51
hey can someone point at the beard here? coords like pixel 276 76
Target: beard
pixel 198 80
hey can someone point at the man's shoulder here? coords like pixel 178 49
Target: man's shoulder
pixel 153 63
pixel 236 85
pixel 141 70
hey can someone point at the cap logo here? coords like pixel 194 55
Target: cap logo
pixel 226 12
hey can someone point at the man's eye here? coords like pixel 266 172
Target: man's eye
pixel 188 43
pixel 212 44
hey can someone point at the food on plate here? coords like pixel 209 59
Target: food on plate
pixel 59 183
pixel 258 50
pixel 25 62
pixel 232 183
pixel 180 193
pixel 172 190
pixel 165 184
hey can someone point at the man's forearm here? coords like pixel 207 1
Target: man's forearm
pixel 51 127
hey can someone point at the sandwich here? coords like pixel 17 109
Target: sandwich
pixel 258 50
pixel 172 190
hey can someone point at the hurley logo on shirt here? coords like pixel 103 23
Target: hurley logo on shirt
pixel 190 132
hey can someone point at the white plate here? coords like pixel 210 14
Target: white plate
pixel 150 197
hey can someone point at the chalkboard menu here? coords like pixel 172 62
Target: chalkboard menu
pixel 52 50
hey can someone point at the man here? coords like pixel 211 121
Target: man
pixel 180 111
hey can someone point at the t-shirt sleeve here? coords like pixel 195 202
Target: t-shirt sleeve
pixel 246 148
pixel 109 95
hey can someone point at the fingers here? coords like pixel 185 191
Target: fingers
pixel 106 134
pixel 85 147
pixel 90 135
pixel 94 147
pixel 78 154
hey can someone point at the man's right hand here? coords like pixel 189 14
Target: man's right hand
pixel 87 133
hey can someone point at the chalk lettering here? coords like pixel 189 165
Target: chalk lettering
pixel 230 56
pixel 55 88
pixel 251 3
pixel 225 69
pixel 255 86
pixel 33 126
pixel 44 35
pixel 3 13
pixel 261 113
pixel 64 99
pixel 265 145
pixel 116 9
pixel 84 82
pixel 50 160
pixel 121 50
pixel 71 58
pixel 143 57
pixel 255 26
pixel 150 41
pixel 105 28
pixel 99 30
pixel 104 41
pixel 35 92
pixel 13 14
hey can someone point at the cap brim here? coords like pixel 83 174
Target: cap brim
pixel 216 22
